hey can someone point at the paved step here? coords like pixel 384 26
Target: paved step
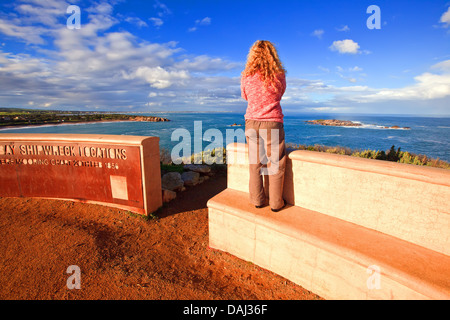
pixel 333 258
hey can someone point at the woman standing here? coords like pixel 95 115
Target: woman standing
pixel 263 84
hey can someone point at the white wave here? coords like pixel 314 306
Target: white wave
pixel 430 140
pixel 373 127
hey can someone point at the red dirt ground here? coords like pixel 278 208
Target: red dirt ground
pixel 123 256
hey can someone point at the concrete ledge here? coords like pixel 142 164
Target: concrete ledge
pixel 324 254
pixel 406 201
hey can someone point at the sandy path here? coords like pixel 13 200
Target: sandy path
pixel 122 256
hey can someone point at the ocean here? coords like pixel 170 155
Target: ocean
pixel 427 135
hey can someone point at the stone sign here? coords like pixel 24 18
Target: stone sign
pixel 118 171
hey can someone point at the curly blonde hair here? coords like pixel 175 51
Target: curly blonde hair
pixel 263 58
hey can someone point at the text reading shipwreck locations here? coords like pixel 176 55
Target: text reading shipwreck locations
pixel 50 154
pixel 63 150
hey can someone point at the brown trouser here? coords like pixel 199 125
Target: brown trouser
pixel 267 156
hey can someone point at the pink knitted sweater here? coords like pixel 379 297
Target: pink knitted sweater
pixel 263 103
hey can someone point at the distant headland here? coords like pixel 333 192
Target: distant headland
pixel 346 123
pixel 12 117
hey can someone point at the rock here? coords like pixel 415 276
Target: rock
pixel 168 195
pixel 334 122
pixel 397 127
pixel 143 118
pixel 202 168
pixel 172 181
pixel 190 178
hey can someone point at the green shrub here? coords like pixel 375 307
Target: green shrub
pixel 392 155
pixel 172 167
pixel 217 155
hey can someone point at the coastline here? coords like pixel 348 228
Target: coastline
pixel 57 123
pixel 426 137
pixel 348 124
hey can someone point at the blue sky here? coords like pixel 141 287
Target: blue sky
pixel 188 55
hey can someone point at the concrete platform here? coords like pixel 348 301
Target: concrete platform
pixel 331 257
pixel 406 201
pixel 354 228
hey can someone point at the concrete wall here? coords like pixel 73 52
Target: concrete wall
pixel 406 201
pixel 119 171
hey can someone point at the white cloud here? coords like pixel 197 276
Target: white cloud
pixel 345 46
pixel 442 66
pixel 136 21
pixel 343 29
pixel 430 93
pixel 428 86
pixel 157 22
pixel 28 34
pixel 94 67
pixel 33 21
pixel 204 63
pixel 355 68
pixel 323 69
pixel 327 109
pixel 102 8
pixel 445 18
pixel 158 77
pixel 46 13
pixel 318 33
pixel 162 9
pixel 201 22
pixel 348 73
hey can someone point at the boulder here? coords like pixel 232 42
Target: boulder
pixel 172 181
pixel 334 122
pixel 190 178
pixel 201 168
pixel 168 195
